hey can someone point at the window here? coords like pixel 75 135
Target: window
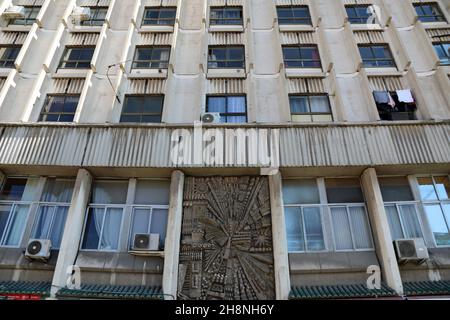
pixel 301 56
pixel 401 210
pixel 77 58
pixel 142 109
pixel 359 14
pixel 104 216
pixel 98 16
pixel 395 105
pixel 294 15
pixel 232 109
pixel 52 210
pixel 303 215
pixel 31 13
pixel 155 57
pixel 376 56
pixel 8 55
pixel 150 210
pixel 159 16
pixel 59 108
pixel 310 108
pixel 226 57
pixel 443 52
pixel 13 211
pixel 435 196
pixel 351 229
pixel 226 16
pixel 429 12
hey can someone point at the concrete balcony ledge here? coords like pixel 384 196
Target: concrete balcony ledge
pixel 294 146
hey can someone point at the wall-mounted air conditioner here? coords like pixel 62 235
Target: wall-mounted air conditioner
pixel 211 117
pixel 38 249
pixel 145 242
pixel 411 250
pixel 14 12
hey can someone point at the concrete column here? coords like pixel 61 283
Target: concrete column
pixel 381 231
pixel 173 237
pixel 280 249
pixel 73 229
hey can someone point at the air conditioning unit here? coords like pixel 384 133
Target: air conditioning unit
pixel 14 12
pixel 81 14
pixel 146 242
pixel 411 250
pixel 38 249
pixel 211 117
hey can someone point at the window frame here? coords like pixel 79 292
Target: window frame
pixel 397 205
pixel 105 208
pixel 326 216
pixel 95 22
pixel 150 62
pixel 439 202
pixel 309 95
pixel 441 44
pixel 296 20
pixel 143 102
pixel 369 229
pixel 146 207
pixel 67 50
pixel 377 60
pixel 223 9
pixel 228 114
pixel 439 17
pixel 47 103
pixel 357 19
pixel 4 61
pixel 11 215
pixel 301 60
pixel 322 209
pixel 227 60
pixel 160 8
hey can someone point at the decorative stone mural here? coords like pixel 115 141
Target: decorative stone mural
pixel 226 242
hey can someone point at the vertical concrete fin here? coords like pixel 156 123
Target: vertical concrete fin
pixel 72 230
pixel 280 251
pixel 172 245
pixel 381 231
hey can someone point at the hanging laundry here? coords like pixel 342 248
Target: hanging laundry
pixel 381 96
pixel 391 102
pixel 405 96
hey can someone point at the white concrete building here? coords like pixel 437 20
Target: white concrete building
pixel 131 124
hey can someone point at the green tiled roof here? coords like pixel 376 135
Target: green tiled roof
pixel 112 292
pixel 425 288
pixel 22 287
pixel 339 292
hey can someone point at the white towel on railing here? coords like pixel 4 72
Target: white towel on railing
pixel 405 96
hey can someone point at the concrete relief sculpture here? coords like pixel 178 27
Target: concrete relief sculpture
pixel 226 242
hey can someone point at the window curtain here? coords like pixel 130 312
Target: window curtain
pixel 341 226
pixel 111 229
pixel 236 105
pixel 110 192
pixel 159 224
pixel 59 223
pixel 410 221
pixel 360 227
pixel 313 228
pixel 294 229
pixel 17 225
pixel 394 222
pixel 58 191
pixel 44 222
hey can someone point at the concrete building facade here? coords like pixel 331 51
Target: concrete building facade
pixel 331 134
